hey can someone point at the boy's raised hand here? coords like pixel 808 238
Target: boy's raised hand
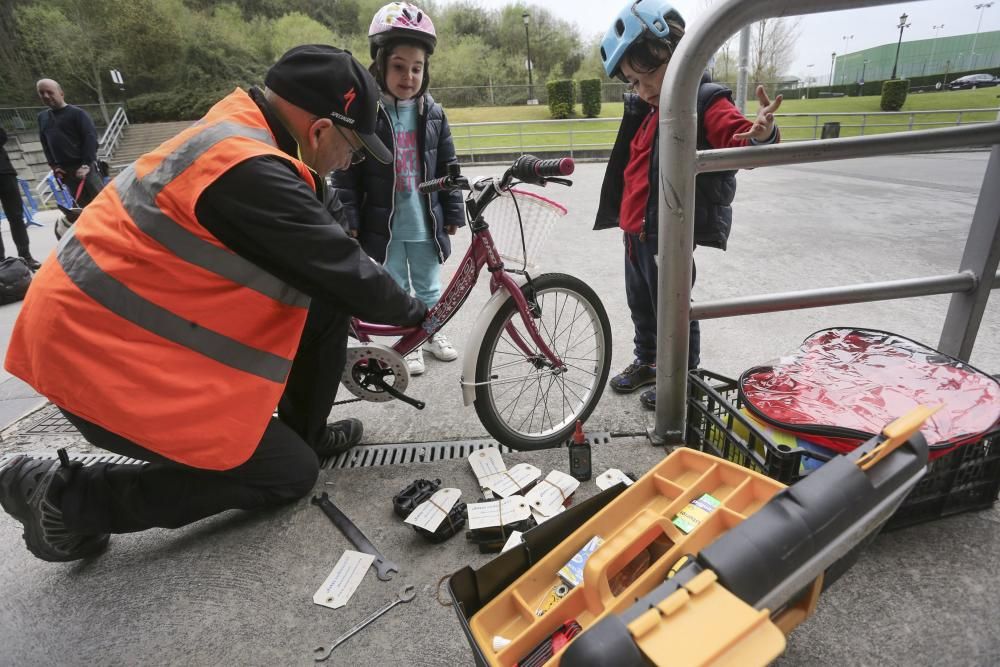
pixel 763 125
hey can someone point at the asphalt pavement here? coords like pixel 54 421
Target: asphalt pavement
pixel 237 588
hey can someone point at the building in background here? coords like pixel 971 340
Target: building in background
pixel 947 57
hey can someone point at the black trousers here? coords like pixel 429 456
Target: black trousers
pixel 13 208
pixel 92 185
pixel 123 498
pixel 641 288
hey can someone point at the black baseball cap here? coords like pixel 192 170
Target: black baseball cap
pixel 331 83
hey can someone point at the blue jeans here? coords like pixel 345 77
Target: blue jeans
pixel 415 266
pixel 641 274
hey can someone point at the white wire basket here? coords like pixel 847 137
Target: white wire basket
pixel 538 216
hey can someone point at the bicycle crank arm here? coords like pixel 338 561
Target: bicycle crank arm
pixel 395 393
pixel 384 568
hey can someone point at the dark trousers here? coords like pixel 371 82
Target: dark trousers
pixel 641 275
pixel 122 498
pixel 92 185
pixel 13 208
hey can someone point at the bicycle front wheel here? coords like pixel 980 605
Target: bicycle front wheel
pixel 522 400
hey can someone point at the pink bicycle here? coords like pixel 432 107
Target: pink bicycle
pixel 539 353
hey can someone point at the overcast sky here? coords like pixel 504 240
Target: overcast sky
pixel 821 34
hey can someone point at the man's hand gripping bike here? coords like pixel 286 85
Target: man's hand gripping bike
pixel 538 355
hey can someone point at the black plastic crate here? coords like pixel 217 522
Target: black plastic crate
pixel 965 479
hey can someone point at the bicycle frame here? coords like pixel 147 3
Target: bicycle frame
pixel 482 252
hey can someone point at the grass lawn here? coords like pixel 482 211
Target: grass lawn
pixel 596 134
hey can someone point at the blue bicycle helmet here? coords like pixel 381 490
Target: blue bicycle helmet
pixel 637 17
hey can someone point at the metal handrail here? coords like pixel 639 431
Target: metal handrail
pixel 678 152
pixel 113 133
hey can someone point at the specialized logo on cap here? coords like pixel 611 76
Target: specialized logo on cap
pixel 349 98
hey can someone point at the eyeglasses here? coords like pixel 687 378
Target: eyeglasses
pixel 357 154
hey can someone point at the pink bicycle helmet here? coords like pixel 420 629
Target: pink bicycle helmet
pixel 401 19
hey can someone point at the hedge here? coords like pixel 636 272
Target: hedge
pixel 562 97
pixel 172 105
pixel 590 96
pixel 894 94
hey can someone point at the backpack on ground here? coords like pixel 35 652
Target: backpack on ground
pixel 15 276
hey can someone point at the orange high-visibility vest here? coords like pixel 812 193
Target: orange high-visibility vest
pixel 144 323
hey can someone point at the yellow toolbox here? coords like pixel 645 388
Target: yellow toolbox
pixel 639 533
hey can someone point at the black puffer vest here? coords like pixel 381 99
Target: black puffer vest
pixel 714 192
pixel 366 190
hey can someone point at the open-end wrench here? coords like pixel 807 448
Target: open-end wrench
pixel 405 595
pixel 384 568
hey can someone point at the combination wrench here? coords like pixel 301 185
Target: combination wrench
pixel 405 595
pixel 384 568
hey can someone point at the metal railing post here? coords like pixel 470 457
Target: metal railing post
pixel 910 128
pixel 677 155
pixel 864 122
pixel 981 256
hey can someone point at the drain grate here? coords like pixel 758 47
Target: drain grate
pixel 51 421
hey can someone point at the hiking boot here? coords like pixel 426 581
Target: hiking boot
pixel 29 491
pixel 32 263
pixel 415 362
pixel 635 375
pixel 441 347
pixel 648 399
pixel 341 436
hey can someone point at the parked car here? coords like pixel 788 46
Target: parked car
pixel 974 81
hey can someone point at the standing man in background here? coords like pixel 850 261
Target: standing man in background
pixel 69 140
pixel 13 208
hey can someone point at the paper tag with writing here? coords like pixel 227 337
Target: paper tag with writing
pixel 498 513
pixel 343 580
pixel 430 513
pixel 542 518
pixel 512 541
pixel 547 497
pixel 610 477
pixel 512 481
pixel 486 463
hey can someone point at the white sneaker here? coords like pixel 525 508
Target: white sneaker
pixel 441 347
pixel 415 362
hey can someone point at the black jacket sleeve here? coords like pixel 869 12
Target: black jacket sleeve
pixel 349 190
pixel 451 200
pixel 263 211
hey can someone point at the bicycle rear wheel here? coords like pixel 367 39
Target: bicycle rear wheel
pixel 521 399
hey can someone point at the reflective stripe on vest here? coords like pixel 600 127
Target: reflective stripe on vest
pixel 138 196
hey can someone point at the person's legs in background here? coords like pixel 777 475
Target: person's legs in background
pixel 425 273
pixel 13 208
pixel 642 307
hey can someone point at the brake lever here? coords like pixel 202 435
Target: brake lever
pixel 560 181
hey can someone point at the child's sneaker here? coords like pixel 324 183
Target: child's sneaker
pixel 635 375
pixel 441 347
pixel 415 362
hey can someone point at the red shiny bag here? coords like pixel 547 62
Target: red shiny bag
pixel 844 385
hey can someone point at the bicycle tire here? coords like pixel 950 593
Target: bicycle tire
pixel 587 375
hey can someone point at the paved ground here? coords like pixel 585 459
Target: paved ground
pixel 237 588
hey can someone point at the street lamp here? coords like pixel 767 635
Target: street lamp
pixel 843 72
pixel 833 60
pixel 982 7
pixel 526 17
pixel 808 78
pixel 903 25
pixel 936 29
pixel 861 82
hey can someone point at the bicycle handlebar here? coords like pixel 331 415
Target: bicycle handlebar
pixel 530 169
pixel 527 168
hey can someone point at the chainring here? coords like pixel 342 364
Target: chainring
pixel 391 366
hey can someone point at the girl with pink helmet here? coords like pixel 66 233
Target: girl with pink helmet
pixel 396 225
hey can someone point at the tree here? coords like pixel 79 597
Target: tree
pixel 772 49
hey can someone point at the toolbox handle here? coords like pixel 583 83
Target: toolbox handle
pixel 635 536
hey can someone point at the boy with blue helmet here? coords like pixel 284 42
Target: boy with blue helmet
pixel 637 49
